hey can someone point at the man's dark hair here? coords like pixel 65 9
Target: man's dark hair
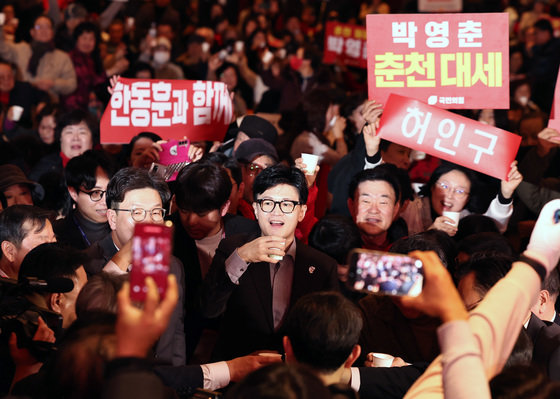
pixel 488 269
pixel 552 283
pixel 280 381
pixel 544 25
pixel 431 240
pixel 384 145
pixel 81 171
pixel 323 328
pixel 281 174
pixel 335 235
pixel 128 179
pixel 385 172
pixel 75 117
pixel 523 381
pixel 230 163
pixel 51 260
pixel 202 187
pixel 475 224
pixel 13 218
pixel 99 294
pixel 486 242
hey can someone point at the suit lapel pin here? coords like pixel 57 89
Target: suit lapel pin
pixel 311 269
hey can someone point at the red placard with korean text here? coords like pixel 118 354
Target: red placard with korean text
pixel 346 43
pixel 554 120
pixel 447 60
pixel 448 136
pixel 173 109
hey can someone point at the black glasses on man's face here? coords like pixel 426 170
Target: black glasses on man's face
pixel 268 205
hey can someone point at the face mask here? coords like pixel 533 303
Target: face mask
pixel 161 57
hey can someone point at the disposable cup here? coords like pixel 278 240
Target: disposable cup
pixel 452 215
pixel 382 360
pixel 17 111
pixel 310 162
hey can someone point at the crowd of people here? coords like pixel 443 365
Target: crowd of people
pixel 260 300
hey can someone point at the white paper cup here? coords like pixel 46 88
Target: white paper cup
pixel 16 112
pixel 452 215
pixel 310 162
pixel 382 360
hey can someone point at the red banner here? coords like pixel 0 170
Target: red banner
pixel 554 119
pixel 447 60
pixel 346 43
pixel 448 136
pixel 170 108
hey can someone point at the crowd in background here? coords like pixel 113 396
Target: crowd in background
pixel 261 240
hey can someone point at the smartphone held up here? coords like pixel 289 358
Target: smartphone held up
pixel 385 273
pixel 151 252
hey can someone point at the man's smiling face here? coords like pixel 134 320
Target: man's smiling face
pixel 374 207
pixel 276 222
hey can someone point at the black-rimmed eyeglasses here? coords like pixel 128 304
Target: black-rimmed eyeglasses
pixel 94 195
pixel 139 214
pixel 268 205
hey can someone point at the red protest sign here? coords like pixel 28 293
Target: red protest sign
pixel 171 108
pixel 554 121
pixel 448 136
pixel 448 60
pixel 346 43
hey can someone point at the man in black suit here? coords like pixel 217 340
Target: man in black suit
pixel 322 332
pixel 202 196
pixel 255 278
pixel 545 336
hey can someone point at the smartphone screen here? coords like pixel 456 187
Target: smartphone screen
pixel 151 252
pixel 385 273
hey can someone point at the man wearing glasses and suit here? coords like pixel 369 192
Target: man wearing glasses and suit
pixel 135 196
pixel 255 279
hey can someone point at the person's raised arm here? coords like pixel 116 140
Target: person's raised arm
pixel 371 113
pixel 458 372
pixel 138 329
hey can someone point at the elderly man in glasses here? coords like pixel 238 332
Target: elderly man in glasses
pixel 254 279
pixel 135 196
pixel 86 176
